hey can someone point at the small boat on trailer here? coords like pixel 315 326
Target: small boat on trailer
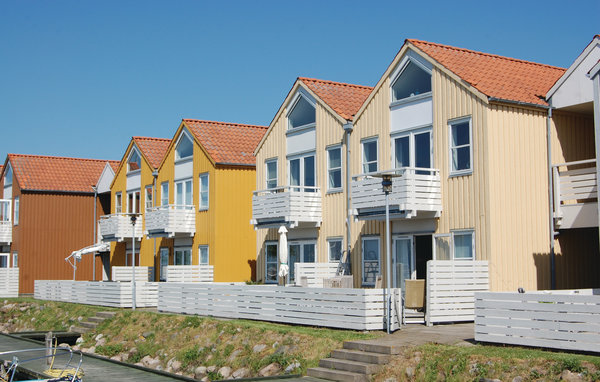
pixel 14 369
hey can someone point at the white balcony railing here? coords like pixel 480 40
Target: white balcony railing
pixel 117 227
pixel 415 192
pixel 287 205
pixel 575 194
pixel 170 220
pixel 5 222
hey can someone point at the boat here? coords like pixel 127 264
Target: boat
pixel 14 370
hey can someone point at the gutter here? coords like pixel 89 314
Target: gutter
pixel 551 198
pixel 348 128
pixel 520 103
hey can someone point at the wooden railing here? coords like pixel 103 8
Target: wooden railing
pixel 414 190
pixel 9 282
pixel 312 274
pixel 189 273
pixel 171 219
pixel 123 273
pixel 117 227
pixel 289 204
pixel 575 194
pixel 5 221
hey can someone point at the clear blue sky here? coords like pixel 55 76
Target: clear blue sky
pixel 79 78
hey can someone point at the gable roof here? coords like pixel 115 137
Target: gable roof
pixel 345 99
pixel 227 143
pixel 495 76
pixel 46 173
pixel 154 149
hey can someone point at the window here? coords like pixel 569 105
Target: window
pixel 412 81
pixel 15 260
pixel 335 249
pixel 303 114
pixel 463 245
pixel 183 192
pixel 185 147
pixel 271 173
pixel 302 171
pixel 369 156
pixel 8 175
pixel 301 252
pixel 133 202
pixel 334 168
pixel 164 194
pixel 271 262
pixel 164 262
pixel 460 147
pixel 134 163
pixel 203 191
pixel 183 256
pixel 3 260
pixel 203 254
pixel 118 203
pixel 413 149
pixel 5 211
pixel 370 260
pixel 16 217
pixel 149 196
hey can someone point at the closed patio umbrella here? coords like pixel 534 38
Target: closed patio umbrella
pixel 283 252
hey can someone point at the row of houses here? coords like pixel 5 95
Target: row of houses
pixel 489 158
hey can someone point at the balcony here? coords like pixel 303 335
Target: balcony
pixel 575 194
pixel 170 221
pixel 5 222
pixel 117 227
pixel 288 205
pixel 416 193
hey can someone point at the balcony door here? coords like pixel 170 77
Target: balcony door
pixel 301 252
pixel 302 171
pixel 403 261
pixel 413 148
pixel 183 192
pixel 133 202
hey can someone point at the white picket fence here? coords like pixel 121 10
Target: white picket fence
pixel 358 309
pixel 312 274
pixel 9 282
pixel 189 273
pixel 451 288
pixel 124 273
pixel 104 293
pixel 551 320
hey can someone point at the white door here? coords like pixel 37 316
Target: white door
pixel 403 261
pixel 300 252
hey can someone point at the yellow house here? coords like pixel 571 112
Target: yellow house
pixel 203 188
pixel 132 192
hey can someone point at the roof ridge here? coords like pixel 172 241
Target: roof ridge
pixel 224 123
pixel 153 138
pixel 335 82
pixel 60 157
pixel 484 53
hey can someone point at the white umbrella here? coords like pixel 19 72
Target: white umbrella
pixel 283 252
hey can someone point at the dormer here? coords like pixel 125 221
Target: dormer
pixel 411 80
pixel 134 162
pixel 185 147
pixel 302 112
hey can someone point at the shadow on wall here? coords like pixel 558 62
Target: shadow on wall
pixel 252 265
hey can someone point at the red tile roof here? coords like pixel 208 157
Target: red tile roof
pixel 154 149
pixel 495 76
pixel 344 99
pixel 45 173
pixel 229 143
pixel 114 164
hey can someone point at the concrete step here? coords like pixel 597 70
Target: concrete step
pixel 372 347
pixel 336 375
pixel 96 319
pixel 80 330
pixel 348 365
pixel 361 356
pixel 90 325
pixel 106 314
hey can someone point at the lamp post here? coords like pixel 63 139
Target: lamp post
pixel 386 183
pixel 133 218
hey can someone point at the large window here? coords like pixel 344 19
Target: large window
pixel 271 262
pixel 149 196
pixel 461 150
pixel 183 256
pixel 413 149
pixel 118 203
pixel 334 168
pixel 457 245
pixel 185 147
pixel 133 202
pixel 370 260
pixel 271 173
pixel 412 81
pixel 301 252
pixel 16 211
pixel 203 254
pixel 335 249
pixel 302 114
pixel 164 193
pixel 134 162
pixel 369 155
pixel 183 192
pixel 164 262
pixel 302 171
pixel 204 191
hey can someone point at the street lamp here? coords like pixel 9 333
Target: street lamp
pixel 133 218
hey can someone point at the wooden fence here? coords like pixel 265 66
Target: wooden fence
pixel 189 273
pixel 124 273
pixel 451 287
pixel 312 274
pixel 552 320
pixel 358 309
pixel 104 293
pixel 9 282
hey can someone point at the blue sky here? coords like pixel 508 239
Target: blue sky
pixel 79 78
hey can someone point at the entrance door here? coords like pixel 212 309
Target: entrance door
pixel 164 262
pixel 300 252
pixel 403 261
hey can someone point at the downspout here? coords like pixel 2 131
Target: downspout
pixel 154 176
pixel 348 127
pixel 551 197
pixel 95 233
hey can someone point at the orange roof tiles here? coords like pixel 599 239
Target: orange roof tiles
pixel 496 76
pixel 227 143
pixel 154 149
pixel 344 99
pixel 45 173
pixel 114 164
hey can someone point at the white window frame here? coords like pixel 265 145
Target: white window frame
pixel 397 75
pixel 452 123
pixel 15 260
pixel 162 251
pixel 185 183
pixel 203 190
pixel 177 157
pixel 182 249
pixel 118 202
pixel 332 169
pixel 294 103
pixel 164 193
pixel 7 261
pixel 362 153
pixel 149 191
pixel 8 182
pixel 301 157
pixel 411 143
pixel 200 249
pixel 362 258
pixel 16 210
pixel 276 244
pixel 136 196
pixel 267 180
pixel 330 241
pixel 136 151
pixel 450 236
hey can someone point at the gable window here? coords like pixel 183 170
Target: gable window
pixel 370 260
pixel 133 202
pixel 335 249
pixel 302 172
pixel 271 173
pixel 203 254
pixel 118 203
pixel 134 162
pixel 334 168
pixel 149 196
pixel 271 262
pixel 369 155
pixel 461 149
pixel 185 147
pixel 8 177
pixel 183 256
pixel 302 114
pixel 164 193
pixel 16 211
pixel 203 191
pixel 183 192
pixel 413 149
pixel 412 81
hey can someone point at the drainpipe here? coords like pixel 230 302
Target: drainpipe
pixel 154 176
pixel 348 127
pixel 95 233
pixel 551 198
